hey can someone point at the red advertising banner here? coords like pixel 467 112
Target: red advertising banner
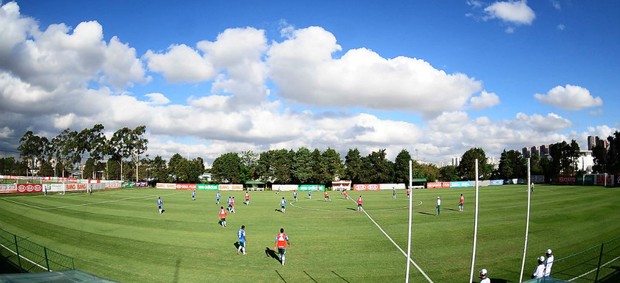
pixel 438 185
pixel 29 188
pixel 566 180
pixel 186 186
pixel 366 187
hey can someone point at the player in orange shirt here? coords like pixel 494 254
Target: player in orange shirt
pixel 222 216
pixel 326 196
pixel 280 244
pixel 247 198
pixel 359 203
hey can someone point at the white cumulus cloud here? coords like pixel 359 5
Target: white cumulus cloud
pixel 485 100
pixel 514 12
pixel 570 97
pixel 305 71
pixel 180 64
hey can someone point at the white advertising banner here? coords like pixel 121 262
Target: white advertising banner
pixel 284 187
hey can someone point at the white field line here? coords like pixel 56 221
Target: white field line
pixel 43 267
pixel 397 246
pixel 74 205
pixel 603 265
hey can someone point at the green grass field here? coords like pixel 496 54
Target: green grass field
pixel 119 235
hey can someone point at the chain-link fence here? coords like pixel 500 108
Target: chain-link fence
pixel 30 256
pixel 600 263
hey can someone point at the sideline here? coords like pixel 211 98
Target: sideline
pixel 73 205
pixel 397 246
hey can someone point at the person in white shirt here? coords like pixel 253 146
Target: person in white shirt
pixel 483 276
pixel 438 208
pixel 539 272
pixel 548 263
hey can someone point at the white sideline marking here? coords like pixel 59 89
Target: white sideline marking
pixel 570 280
pixel 73 205
pixel 398 247
pixel 43 267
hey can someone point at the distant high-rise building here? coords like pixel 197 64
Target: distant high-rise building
pixel 535 150
pixel 544 150
pixel 592 140
pixel 527 153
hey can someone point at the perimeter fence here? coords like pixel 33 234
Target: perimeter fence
pixel 30 256
pixel 600 263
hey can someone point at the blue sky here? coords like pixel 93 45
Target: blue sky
pixel 210 77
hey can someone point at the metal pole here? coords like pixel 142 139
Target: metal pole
pixel 598 267
pixel 19 259
pixel 410 214
pixel 473 255
pixel 527 221
pixel 47 261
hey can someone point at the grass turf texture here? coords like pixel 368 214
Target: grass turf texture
pixel 120 235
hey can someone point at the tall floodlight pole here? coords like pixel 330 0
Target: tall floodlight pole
pixel 410 214
pixel 527 219
pixel 473 254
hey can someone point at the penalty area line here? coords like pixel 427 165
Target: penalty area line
pixel 396 245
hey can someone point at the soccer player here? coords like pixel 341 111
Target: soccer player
pixel 241 236
pixel 549 262
pixel 160 205
pixel 217 197
pixel 539 272
pixel 408 192
pixel 295 195
pixel 359 203
pixel 326 196
pixel 461 202
pixel 483 276
pixel 247 198
pixel 344 193
pixel 283 205
pixel 222 216
pixel 228 202
pixel 232 205
pixel 280 244
pixel 193 194
pixel 438 207
pixel 393 193
pixel 310 193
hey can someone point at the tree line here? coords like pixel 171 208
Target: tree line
pixel 91 153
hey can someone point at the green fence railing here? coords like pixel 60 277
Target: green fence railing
pixel 596 264
pixel 30 256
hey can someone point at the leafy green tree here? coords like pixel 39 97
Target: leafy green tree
pixel 536 165
pixel 227 168
pixel 31 148
pixel 428 171
pixel 353 166
pixel 249 165
pixel 401 167
pixel 376 168
pixel 512 165
pixel 9 166
pixel 448 173
pixel 319 171
pixel 467 165
pixel 333 162
pixel 302 167
pixel 564 158
pixel 613 154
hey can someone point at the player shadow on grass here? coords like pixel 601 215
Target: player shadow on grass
pixel 426 213
pixel 278 210
pixel 271 253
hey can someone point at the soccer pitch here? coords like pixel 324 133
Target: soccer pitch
pixel 120 235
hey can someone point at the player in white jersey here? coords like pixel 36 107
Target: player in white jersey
pixel 539 272
pixel 549 262
pixel 484 278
